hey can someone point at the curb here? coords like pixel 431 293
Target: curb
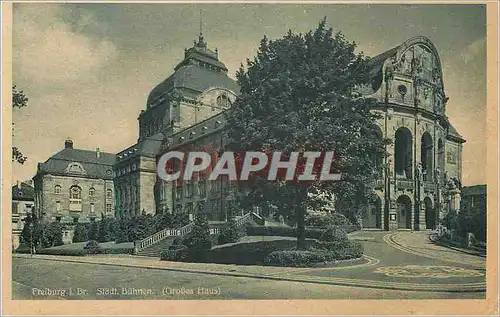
pixel 408 249
pixel 457 288
pixel 449 246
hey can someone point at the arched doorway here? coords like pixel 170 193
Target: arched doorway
pixel 403 157
pixel 404 212
pixel 373 215
pixel 426 156
pixel 430 214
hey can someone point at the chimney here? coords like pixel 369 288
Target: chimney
pixel 68 144
pixel 98 152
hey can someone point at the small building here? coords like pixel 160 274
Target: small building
pixel 75 186
pixel 23 200
pixel 474 198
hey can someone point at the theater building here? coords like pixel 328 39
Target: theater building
pixel 419 180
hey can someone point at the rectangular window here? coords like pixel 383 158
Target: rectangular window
pixel 92 208
pixel 188 189
pixel 202 187
pixel 108 208
pixel 14 207
pixel 189 208
pixel 58 206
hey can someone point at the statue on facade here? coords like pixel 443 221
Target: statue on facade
pixel 420 175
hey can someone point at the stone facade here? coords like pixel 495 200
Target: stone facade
pixel 23 201
pixel 75 186
pixel 420 178
pixel 425 155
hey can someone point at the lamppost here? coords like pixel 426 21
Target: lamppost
pixel 31 226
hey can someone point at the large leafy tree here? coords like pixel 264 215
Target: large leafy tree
pixel 299 93
pixel 19 100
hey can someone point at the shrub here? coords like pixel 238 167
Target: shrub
pixel 250 253
pixel 230 232
pixel 92 247
pixel 174 253
pixel 93 231
pixel 67 252
pixel 198 239
pixel 322 252
pixel 311 233
pixel 326 220
pixel 162 221
pixel 80 234
pixel 298 258
pixel 341 250
pixel 334 233
pixel 103 232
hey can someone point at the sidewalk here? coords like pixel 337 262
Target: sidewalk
pixel 416 243
pixel 259 272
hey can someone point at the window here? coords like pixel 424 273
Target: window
pixel 75 193
pixel 109 194
pixel 202 185
pixel 57 189
pixel 58 206
pixel 223 101
pixel 92 208
pixel 108 208
pixel 92 192
pixel 472 202
pixel 189 208
pixel 189 189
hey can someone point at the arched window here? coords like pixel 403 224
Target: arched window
pixel 403 160
pixel 75 194
pixel 92 192
pixel 223 101
pixel 57 189
pixel 109 193
pixel 426 156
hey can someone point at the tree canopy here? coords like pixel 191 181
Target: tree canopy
pixel 299 93
pixel 19 100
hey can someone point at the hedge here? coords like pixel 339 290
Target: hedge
pixel 322 252
pixel 312 233
pixel 174 253
pixel 66 252
pixel 251 253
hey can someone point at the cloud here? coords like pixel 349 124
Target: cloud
pixel 47 51
pixel 476 49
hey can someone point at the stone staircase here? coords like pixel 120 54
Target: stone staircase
pixel 153 245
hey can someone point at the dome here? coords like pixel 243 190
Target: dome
pixel 199 70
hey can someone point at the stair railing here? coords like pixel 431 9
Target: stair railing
pixel 159 236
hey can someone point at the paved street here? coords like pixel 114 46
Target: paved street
pixel 398 265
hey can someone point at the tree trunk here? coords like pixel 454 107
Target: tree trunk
pixel 301 236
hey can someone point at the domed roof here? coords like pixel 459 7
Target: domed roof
pixel 199 70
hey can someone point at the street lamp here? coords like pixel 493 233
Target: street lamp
pixel 31 226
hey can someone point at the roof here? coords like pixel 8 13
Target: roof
pixel 149 147
pixel 193 77
pixel 26 192
pixel 376 63
pixel 198 71
pixel 93 166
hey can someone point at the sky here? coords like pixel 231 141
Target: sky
pixel 87 69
